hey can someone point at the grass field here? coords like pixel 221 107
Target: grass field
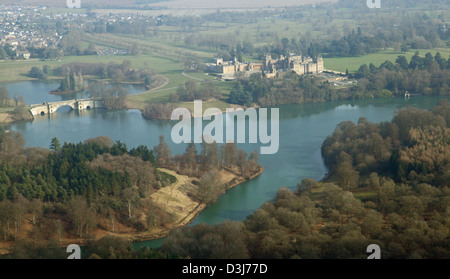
pixel 17 70
pixel 353 63
pixel 140 101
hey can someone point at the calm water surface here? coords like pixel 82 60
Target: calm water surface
pixel 303 128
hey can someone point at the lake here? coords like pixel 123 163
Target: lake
pixel 303 128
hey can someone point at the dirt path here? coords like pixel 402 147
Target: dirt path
pixel 156 89
pixel 174 198
pixel 188 76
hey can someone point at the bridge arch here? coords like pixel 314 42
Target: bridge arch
pixel 53 107
pixel 64 108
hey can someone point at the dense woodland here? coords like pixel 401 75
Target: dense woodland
pixel 388 184
pixel 289 88
pixel 69 190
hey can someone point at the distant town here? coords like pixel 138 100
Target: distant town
pixel 35 32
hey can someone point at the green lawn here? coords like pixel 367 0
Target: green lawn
pixel 17 70
pixel 353 63
pixel 140 101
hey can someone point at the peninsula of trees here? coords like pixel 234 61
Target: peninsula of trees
pixel 82 192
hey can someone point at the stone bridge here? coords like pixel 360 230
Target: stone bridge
pixel 49 108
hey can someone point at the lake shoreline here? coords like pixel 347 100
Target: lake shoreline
pixel 325 117
pixel 189 216
pixel 158 233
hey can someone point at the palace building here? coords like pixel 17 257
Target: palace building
pixel 297 63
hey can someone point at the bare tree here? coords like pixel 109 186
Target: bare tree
pixel 82 216
pixel 11 149
pixel 130 195
pixel 210 187
pixel 253 160
pixel 162 151
pixel 348 176
pixel 59 228
pixel 4 96
pixel 242 162
pixel 210 154
pixel 191 157
pixel 229 153
pixel 18 212
pixel 35 209
pixel 18 100
pixel 5 218
pixel 152 218
pixel 76 206
pixel 112 218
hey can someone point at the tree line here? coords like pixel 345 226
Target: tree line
pixel 187 92
pixel 7 52
pixel 413 148
pixel 426 75
pixel 379 32
pixel 288 88
pixel 116 72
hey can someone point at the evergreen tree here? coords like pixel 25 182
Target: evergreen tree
pixel 55 145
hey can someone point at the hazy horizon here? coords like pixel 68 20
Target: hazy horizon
pixel 177 4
